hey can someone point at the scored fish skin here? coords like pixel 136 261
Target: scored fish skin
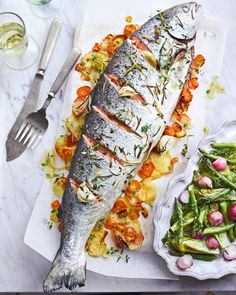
pixel 135 115
pixel 111 149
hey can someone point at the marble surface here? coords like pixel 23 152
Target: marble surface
pixel 21 269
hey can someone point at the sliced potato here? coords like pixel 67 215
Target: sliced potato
pixel 133 235
pixel 74 125
pixel 96 245
pixel 59 186
pixel 163 163
pixel 80 107
pixel 65 147
pixel 93 65
pixel 148 192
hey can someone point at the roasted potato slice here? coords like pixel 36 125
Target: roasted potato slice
pixel 65 147
pixel 75 125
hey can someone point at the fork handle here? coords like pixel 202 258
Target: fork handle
pixel 61 77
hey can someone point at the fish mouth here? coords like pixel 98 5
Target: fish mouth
pixel 196 11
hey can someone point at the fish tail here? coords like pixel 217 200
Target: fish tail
pixel 67 272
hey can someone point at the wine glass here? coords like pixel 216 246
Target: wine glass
pixel 19 51
pixel 44 8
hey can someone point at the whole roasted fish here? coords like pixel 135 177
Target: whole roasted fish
pixel 129 107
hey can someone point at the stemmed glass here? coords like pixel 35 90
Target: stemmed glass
pixel 19 50
pixel 44 8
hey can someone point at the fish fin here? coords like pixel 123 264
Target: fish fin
pixel 71 273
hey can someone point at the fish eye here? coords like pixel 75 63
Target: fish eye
pixel 185 8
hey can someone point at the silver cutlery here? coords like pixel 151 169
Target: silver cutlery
pixel 35 125
pixel 13 147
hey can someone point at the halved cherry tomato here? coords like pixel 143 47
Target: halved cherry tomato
pixel 55 205
pixel 146 170
pixel 134 186
pixel 198 61
pixel 83 92
pixel 169 131
pixel 193 83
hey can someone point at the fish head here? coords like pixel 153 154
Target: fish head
pixel 183 20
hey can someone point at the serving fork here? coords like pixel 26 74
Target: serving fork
pixel 35 124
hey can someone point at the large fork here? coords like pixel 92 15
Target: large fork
pixel 35 125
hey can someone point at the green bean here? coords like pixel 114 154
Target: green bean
pixel 194 207
pixel 217 229
pixel 224 210
pixel 223 179
pixel 215 196
pixel 201 216
pixel 214 157
pixel 174 218
pixel 231 145
pixel 188 219
pixel 180 222
pixel 223 240
pixel 205 257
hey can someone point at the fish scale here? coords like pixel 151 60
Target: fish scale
pixel 118 140
pixel 137 79
pixel 127 109
pixel 98 170
pixel 84 202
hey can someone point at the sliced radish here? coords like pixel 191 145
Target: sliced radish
pixel 230 252
pixel 184 262
pixel 184 197
pixel 205 182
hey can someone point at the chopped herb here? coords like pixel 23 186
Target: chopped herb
pixel 146 127
pixel 184 150
pixel 163 23
pixel 127 258
pixel 48 223
pixel 181 84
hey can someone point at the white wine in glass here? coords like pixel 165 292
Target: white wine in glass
pixel 19 51
pixel 12 37
pixel 45 8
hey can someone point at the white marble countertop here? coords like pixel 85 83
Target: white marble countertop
pixel 21 269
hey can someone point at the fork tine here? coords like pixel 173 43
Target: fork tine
pixel 33 137
pixel 30 133
pixel 25 132
pixel 37 140
pixel 22 127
